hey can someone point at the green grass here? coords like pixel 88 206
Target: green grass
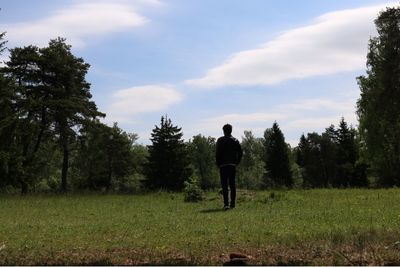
pixel 294 227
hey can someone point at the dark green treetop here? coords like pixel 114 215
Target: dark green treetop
pixel 168 162
pixel 202 158
pixel 277 157
pixel 379 105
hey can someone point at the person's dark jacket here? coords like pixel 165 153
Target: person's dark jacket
pixel 229 151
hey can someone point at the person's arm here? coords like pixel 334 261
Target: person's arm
pixel 218 153
pixel 239 152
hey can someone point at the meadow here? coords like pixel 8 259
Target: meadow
pixel 295 227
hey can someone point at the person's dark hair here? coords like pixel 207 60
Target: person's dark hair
pixel 227 129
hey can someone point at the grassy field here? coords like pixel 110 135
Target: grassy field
pixel 294 227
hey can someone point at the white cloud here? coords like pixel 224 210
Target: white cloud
pixel 335 42
pixel 245 118
pixel 78 22
pixel 318 123
pixel 301 116
pixel 257 122
pixel 318 104
pixel 127 103
pixel 313 123
pixel 3 58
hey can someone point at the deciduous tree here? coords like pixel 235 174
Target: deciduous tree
pixel 379 105
pixel 202 158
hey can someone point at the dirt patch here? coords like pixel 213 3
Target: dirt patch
pixel 305 254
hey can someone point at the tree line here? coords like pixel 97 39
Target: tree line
pixel 52 139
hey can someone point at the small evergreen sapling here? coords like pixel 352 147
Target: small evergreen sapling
pixel 192 190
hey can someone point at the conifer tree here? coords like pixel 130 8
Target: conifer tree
pixel 30 112
pixel 69 96
pixel 277 157
pixel 331 159
pixel 9 159
pixel 310 160
pixel 346 156
pixel 51 101
pixel 168 161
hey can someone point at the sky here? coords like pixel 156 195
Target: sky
pixel 205 63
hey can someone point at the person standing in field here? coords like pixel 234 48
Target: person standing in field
pixel 228 156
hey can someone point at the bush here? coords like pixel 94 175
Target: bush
pixel 9 189
pixel 192 190
pixel 47 185
pixel 297 176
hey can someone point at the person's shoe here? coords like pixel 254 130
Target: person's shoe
pixel 226 207
pixel 232 206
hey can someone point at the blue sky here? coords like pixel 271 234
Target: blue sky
pixel 207 63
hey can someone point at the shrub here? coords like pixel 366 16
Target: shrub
pixel 192 190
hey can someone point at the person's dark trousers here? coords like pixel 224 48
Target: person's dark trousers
pixel 227 174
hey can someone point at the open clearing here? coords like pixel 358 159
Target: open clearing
pixel 326 226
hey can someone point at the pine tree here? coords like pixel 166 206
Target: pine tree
pixel 30 113
pixel 316 157
pixel 168 162
pixel 310 160
pixel 69 102
pixel 9 159
pixel 331 159
pixel 54 101
pixel 346 156
pixel 328 157
pixel 277 157
pixel 378 106
pixel 302 151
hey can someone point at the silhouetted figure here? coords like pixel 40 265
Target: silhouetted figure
pixel 228 155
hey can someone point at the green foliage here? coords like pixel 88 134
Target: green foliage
pixel 10 158
pixel 277 158
pixel 252 167
pixel 2 42
pixel 23 119
pixel 105 159
pixel 51 100
pixel 378 107
pixel 297 175
pixel 70 105
pixel 347 157
pixel 331 159
pixel 168 161
pixel 48 120
pixel 192 190
pixel 202 157
pixel 310 160
pixel 129 184
pixel 46 168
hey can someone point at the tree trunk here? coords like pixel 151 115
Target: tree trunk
pixel 64 171
pixel 24 188
pixel 110 171
pixel 41 132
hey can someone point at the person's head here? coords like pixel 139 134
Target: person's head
pixel 227 129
